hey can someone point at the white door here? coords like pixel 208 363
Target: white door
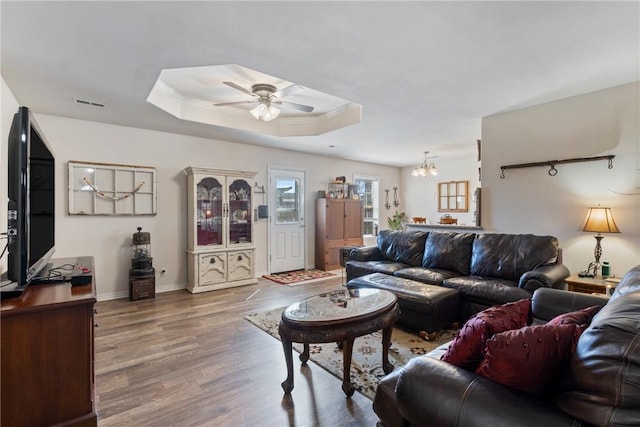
pixel 286 220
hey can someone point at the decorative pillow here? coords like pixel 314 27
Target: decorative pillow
pixel 580 317
pixel 467 348
pixel 529 359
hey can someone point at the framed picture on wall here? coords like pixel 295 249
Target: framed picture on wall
pixel 111 189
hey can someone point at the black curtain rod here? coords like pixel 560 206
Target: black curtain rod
pixel 552 163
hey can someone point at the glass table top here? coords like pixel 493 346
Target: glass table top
pixel 339 305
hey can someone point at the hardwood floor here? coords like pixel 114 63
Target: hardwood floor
pixel 186 359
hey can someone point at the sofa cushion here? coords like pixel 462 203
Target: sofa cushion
pixel 602 381
pixel 448 251
pixel 467 348
pixel 425 275
pixel 529 359
pixel 406 247
pixel 487 290
pixel 509 256
pixel 362 268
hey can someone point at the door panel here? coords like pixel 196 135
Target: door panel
pixel 353 220
pixel 286 220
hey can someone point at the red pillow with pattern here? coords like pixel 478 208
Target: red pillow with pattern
pixel 580 317
pixel 529 359
pixel 467 348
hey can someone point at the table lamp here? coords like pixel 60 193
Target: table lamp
pixel 598 220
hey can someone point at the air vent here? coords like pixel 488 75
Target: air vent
pixel 92 103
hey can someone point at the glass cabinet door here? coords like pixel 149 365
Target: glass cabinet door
pixel 239 212
pixel 210 221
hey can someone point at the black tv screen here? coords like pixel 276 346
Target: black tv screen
pixel 31 191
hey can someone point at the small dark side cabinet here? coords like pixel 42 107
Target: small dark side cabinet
pixel 47 356
pixel 142 287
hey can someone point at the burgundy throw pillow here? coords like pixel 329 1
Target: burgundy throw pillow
pixel 529 359
pixel 467 348
pixel 580 317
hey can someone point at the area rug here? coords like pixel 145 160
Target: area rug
pixel 366 364
pixel 294 278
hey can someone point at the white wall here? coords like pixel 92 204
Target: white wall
pixel 8 108
pixel 108 239
pixel 420 194
pixel 527 201
pixel 530 201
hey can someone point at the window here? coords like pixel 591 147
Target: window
pixel 287 200
pixel 453 196
pixel 367 190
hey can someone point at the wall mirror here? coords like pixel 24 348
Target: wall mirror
pixel 453 196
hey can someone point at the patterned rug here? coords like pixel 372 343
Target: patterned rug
pixel 366 364
pixel 294 278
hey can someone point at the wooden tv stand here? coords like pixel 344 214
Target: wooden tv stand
pixel 47 355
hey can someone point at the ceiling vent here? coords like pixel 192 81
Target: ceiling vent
pixel 92 103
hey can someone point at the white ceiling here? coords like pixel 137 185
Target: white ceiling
pixel 425 73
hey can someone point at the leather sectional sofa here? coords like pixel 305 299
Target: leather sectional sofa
pixel 486 269
pixel 598 385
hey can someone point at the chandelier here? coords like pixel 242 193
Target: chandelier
pixel 426 168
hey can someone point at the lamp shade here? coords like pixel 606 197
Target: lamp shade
pixel 599 220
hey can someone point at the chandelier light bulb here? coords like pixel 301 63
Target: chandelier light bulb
pixel 426 168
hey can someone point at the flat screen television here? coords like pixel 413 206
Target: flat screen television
pixel 31 208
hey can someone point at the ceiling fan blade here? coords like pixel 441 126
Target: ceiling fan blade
pixel 240 88
pixel 233 103
pixel 286 91
pixel 300 107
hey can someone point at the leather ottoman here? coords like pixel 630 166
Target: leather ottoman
pixel 422 306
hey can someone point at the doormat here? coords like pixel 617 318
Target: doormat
pixel 366 362
pixel 298 277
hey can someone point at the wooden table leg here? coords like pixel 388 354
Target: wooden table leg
pixel 387 367
pixel 304 356
pixel 347 387
pixel 287 385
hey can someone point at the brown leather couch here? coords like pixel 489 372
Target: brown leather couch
pixel 599 386
pixel 487 269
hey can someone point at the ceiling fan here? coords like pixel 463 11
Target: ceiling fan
pixel 266 95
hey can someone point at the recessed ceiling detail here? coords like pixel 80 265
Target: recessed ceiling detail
pixel 231 96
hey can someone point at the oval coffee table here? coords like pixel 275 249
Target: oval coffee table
pixel 338 316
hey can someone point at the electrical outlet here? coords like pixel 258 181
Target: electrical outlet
pixel 163 272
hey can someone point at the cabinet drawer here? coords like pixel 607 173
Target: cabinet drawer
pixel 142 287
pixel 211 268
pixel 240 265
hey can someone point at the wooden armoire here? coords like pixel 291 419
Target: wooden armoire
pixel 339 223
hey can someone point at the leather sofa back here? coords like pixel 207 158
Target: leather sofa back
pixel 448 251
pixel 602 382
pixel 406 247
pixel 509 256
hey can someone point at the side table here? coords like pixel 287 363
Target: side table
pixel 589 285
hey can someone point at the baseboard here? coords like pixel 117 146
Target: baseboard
pixel 125 294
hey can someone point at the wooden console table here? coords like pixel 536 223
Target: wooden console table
pixel 47 355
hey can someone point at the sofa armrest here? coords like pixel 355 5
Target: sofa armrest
pixel 545 276
pixel 548 303
pixel 436 393
pixel 365 253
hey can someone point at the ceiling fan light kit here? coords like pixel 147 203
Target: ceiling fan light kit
pixel 241 98
pixel 265 112
pixel 426 168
